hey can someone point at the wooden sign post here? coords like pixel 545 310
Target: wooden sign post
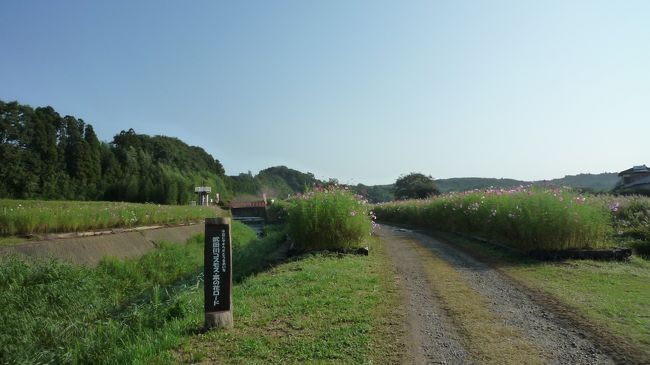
pixel 217 257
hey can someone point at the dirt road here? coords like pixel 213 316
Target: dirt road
pixel 461 311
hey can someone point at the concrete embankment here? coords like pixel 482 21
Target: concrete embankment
pixel 89 248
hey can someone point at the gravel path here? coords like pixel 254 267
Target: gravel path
pixel 435 340
pixel 431 336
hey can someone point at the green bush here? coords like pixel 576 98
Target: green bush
pixel 525 219
pixel 329 219
pixel 277 211
pixel 631 220
pixel 631 215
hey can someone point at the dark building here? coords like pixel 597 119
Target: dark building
pixel 634 181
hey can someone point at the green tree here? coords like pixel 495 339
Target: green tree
pixel 93 162
pixel 415 186
pixel 46 156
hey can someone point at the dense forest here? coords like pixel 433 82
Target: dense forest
pixel 46 156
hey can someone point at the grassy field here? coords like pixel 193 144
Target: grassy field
pixel 321 309
pixel 20 217
pixel 613 295
pixel 120 312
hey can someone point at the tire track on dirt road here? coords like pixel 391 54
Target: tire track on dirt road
pixel 431 336
pixel 460 310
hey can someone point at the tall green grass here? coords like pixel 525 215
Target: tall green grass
pixel 525 219
pixel 33 216
pixel 631 220
pixel 119 312
pixel 329 219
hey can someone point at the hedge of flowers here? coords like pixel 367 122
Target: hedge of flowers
pixel 34 216
pixel 524 218
pixel 329 219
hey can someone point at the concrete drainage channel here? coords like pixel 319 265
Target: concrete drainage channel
pixel 88 248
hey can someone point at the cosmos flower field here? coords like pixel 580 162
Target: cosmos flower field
pixel 527 218
pixel 20 217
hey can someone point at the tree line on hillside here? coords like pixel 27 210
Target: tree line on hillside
pixel 44 155
pixel 593 183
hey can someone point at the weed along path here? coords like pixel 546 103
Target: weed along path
pixel 460 310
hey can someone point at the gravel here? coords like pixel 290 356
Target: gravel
pixel 432 337
pixel 438 342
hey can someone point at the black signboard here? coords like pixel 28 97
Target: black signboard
pixel 218 265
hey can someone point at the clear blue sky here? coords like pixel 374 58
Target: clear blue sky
pixel 358 90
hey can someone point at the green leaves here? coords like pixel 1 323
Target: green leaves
pixel 415 186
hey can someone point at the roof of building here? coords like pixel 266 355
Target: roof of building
pixel 635 170
pixel 257 204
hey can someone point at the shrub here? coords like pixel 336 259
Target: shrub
pixel 331 218
pixel 641 248
pixel 277 211
pixel 631 221
pixel 630 215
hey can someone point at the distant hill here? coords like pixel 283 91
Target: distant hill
pixel 384 193
pixel 277 181
pixel 592 182
pixel 471 183
pixel 595 182
pixel 375 193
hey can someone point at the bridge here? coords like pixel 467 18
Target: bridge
pixel 252 214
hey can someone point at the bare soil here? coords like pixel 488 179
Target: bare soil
pixel 434 331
